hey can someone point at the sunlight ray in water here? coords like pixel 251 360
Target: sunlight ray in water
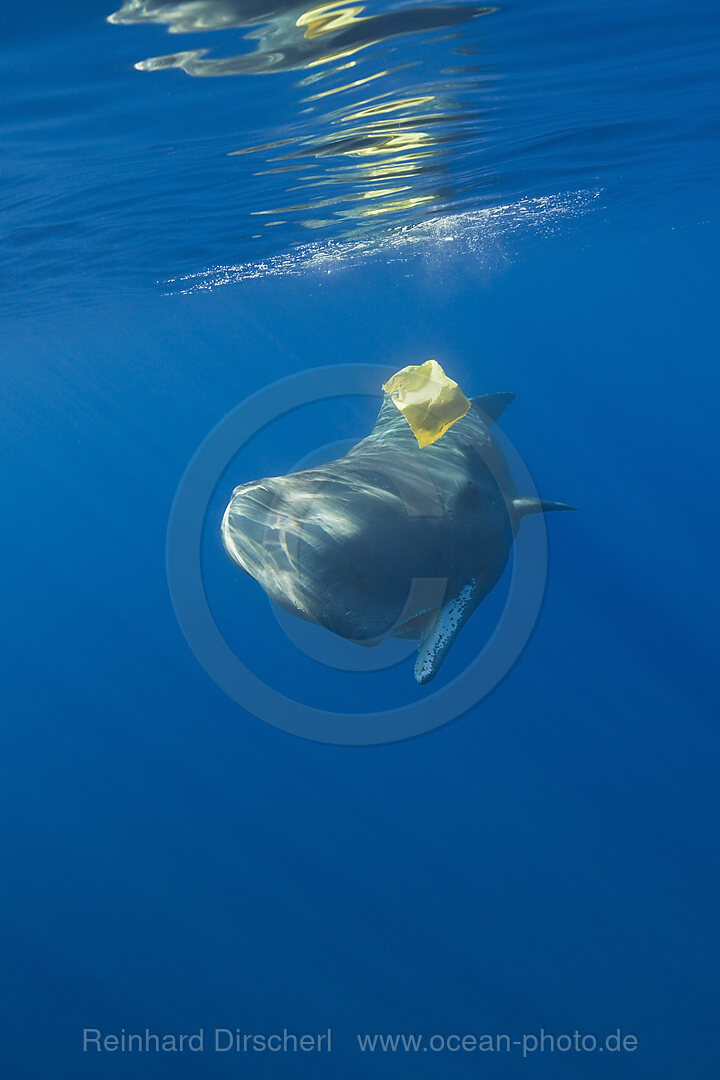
pixel 423 103
pixel 477 232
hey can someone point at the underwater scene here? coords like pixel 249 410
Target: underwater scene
pixel 359 547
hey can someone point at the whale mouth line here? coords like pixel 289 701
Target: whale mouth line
pixel 477 233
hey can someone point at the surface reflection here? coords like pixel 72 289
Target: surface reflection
pixel 374 116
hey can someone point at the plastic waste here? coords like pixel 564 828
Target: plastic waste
pixel 429 400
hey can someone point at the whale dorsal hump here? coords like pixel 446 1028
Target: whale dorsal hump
pixel 492 406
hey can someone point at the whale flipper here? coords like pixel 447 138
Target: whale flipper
pixel 521 507
pixel 445 627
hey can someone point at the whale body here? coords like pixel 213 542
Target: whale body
pixel 391 539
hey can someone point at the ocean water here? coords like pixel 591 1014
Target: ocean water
pixel 204 200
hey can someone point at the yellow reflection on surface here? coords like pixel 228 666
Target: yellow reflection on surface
pixel 328 18
pixel 392 143
pixel 372 156
pixel 347 86
pixel 380 193
pixel 397 205
pixel 397 170
pixel 390 106
pixel 341 55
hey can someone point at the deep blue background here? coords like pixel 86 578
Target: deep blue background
pixel 549 860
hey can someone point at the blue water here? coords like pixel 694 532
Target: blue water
pixel 549 859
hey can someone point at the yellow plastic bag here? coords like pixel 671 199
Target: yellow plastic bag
pixel 428 399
